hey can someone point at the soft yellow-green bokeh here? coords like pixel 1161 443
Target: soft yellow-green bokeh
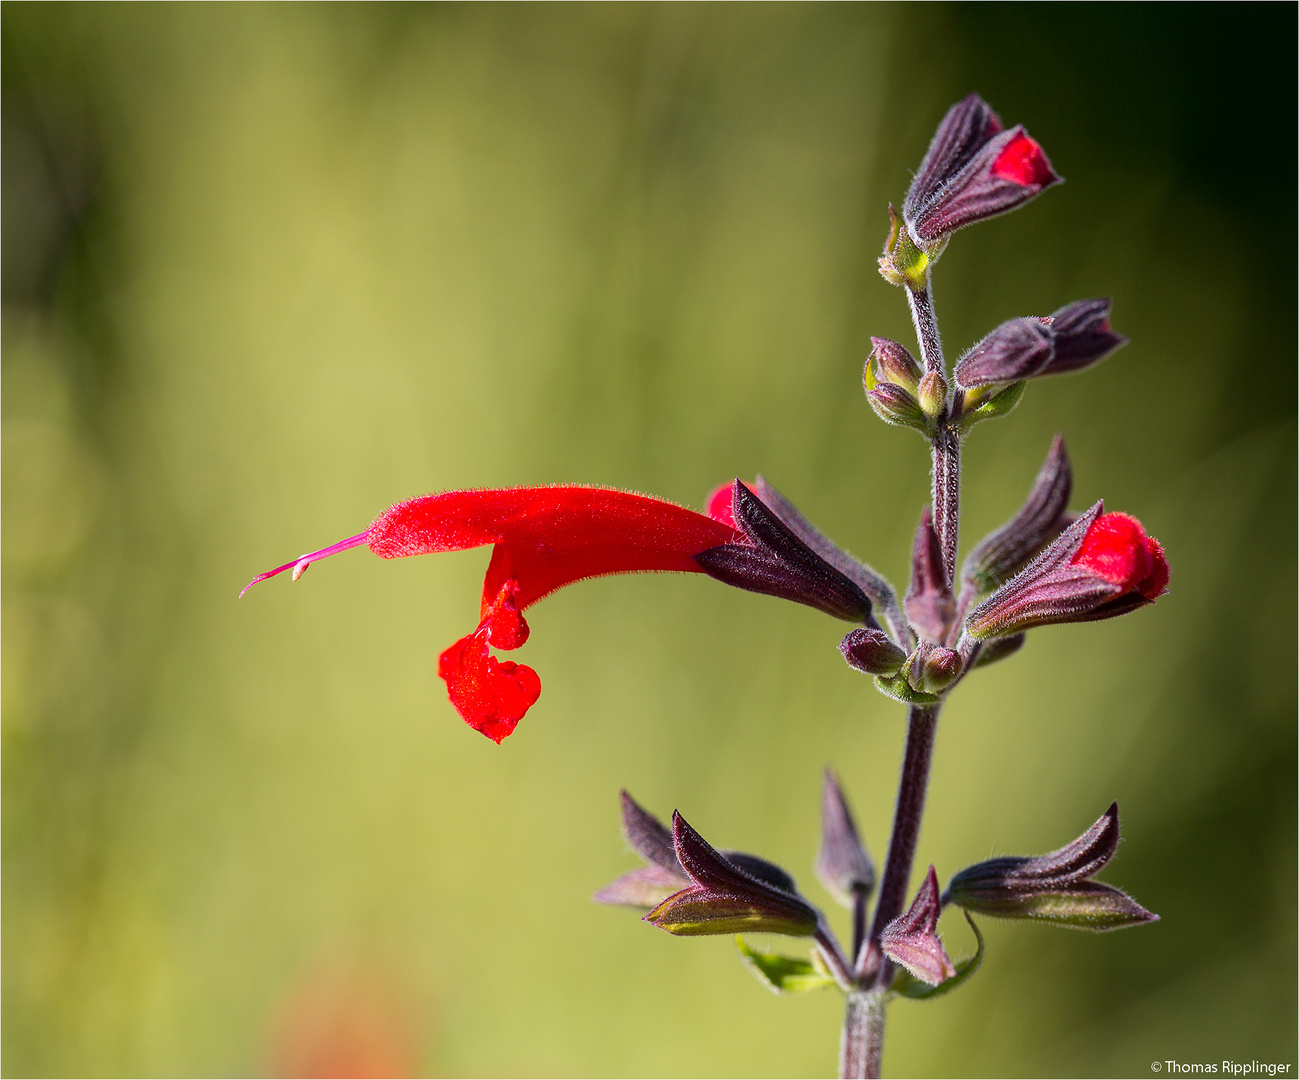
pixel 333 257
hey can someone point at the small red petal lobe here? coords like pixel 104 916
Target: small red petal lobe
pixel 1155 583
pixel 1023 162
pixel 506 627
pixel 719 506
pixel 491 695
pixel 1117 549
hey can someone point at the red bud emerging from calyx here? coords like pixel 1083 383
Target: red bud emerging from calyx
pixel 973 170
pixel 1103 565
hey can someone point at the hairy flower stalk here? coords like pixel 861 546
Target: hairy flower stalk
pixel 1045 566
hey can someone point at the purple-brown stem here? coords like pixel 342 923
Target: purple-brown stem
pixel 922 722
pixel 862 1041
pixel 931 345
pixel 861 1045
pixel 947 442
pixel 947 494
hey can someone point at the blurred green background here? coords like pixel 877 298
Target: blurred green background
pixel 267 269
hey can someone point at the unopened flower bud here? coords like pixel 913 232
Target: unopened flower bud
pixel 872 651
pixel 1016 350
pixel 1002 554
pixel 894 364
pixel 929 603
pixel 973 170
pixel 1103 565
pixel 1054 888
pixel 894 405
pixel 931 394
pixel 842 864
pixel 941 668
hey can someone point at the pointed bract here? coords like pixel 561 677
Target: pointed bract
pixel 1082 336
pixel 648 836
pixel 724 899
pixel 911 939
pixel 842 865
pixel 929 603
pixel 1002 554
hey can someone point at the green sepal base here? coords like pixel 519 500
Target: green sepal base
pixel 784 974
pixel 897 687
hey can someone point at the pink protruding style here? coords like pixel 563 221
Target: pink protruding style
pixel 299 566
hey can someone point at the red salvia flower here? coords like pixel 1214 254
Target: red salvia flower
pixel 547 537
pixel 1101 566
pixel 543 538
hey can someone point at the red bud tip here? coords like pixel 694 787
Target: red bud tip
pixel 718 507
pixel 1117 549
pixel 1023 162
